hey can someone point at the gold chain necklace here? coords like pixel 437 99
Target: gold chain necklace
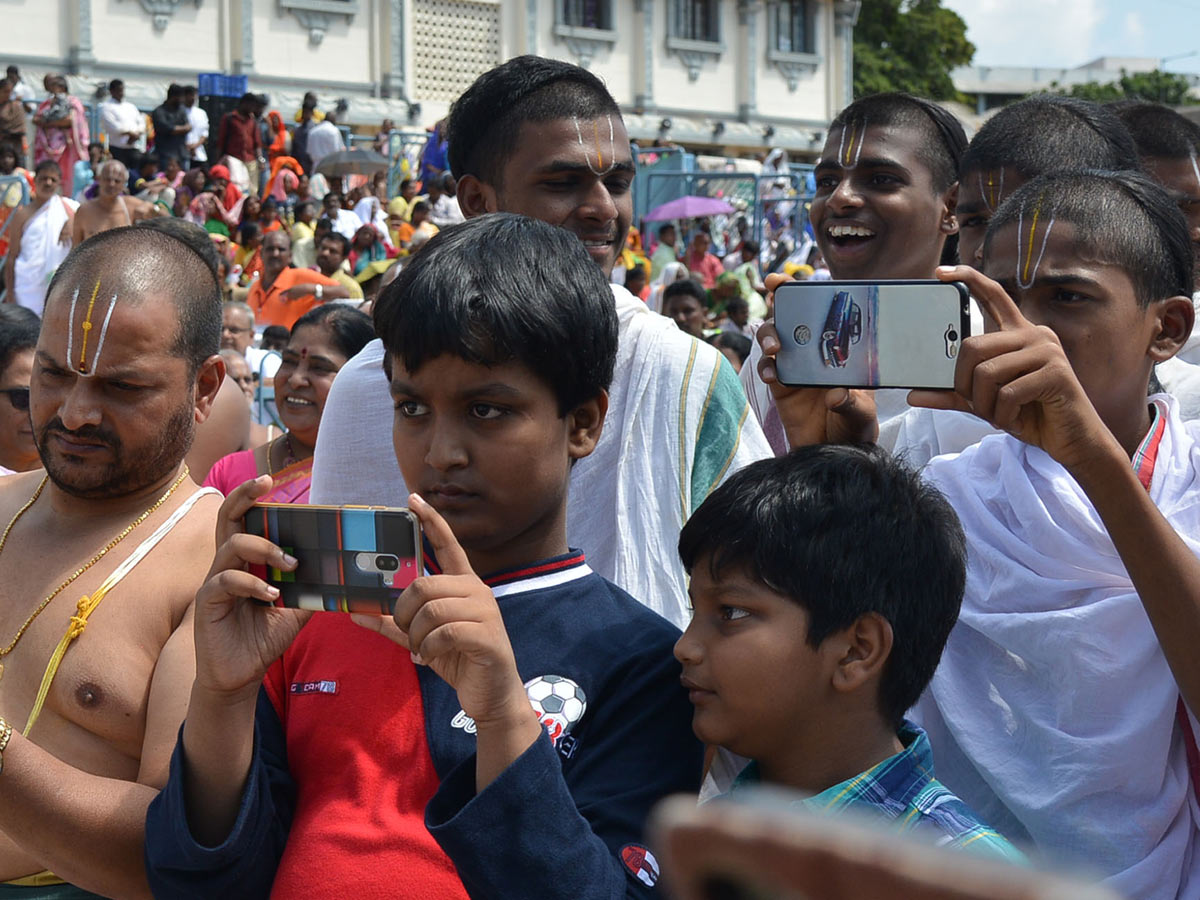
pixel 91 562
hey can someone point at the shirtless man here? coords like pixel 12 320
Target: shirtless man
pixel 126 367
pixel 112 207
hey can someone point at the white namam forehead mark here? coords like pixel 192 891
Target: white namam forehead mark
pixel 993 190
pixel 89 348
pixel 1025 277
pixel 1195 167
pixel 851 149
pixel 599 169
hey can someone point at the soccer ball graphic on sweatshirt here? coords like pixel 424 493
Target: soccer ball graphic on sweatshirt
pixel 559 703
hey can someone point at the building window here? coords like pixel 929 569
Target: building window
pixel 697 20
pixel 793 27
pixel 595 14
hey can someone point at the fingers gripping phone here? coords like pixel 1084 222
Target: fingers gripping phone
pixel 870 334
pixel 350 559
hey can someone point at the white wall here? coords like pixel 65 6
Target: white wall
pixel 38 29
pixel 282 47
pixel 124 34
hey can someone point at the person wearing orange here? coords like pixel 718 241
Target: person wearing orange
pixel 283 293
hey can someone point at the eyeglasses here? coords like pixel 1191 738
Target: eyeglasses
pixel 18 397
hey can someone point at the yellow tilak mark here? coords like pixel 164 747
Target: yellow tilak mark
pixel 87 326
pixel 850 146
pixel 599 153
pixel 991 193
pixel 1029 252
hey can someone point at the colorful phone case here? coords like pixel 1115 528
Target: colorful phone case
pixel 351 559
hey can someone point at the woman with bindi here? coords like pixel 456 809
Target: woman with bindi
pixel 321 342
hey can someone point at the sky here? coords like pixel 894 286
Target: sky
pixel 1067 33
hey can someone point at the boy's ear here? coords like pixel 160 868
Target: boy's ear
pixel 584 423
pixel 1174 319
pixel 862 649
pixel 949 205
pixel 475 198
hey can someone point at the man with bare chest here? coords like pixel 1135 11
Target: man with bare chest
pixel 100 557
pixel 112 208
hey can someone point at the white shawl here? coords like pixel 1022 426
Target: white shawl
pixel 1053 712
pixel 41 252
pixel 678 424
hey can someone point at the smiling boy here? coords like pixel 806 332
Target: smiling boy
pixel 824 585
pixel 1063 709
pixel 420 769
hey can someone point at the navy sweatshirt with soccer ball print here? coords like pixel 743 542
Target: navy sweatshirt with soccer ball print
pixel 363 777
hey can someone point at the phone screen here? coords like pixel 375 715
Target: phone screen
pixel 870 334
pixel 350 559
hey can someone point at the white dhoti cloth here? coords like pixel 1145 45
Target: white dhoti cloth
pixel 1053 712
pixel 678 424
pixel 41 253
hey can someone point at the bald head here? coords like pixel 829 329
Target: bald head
pixel 143 265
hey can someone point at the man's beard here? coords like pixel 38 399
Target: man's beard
pixel 131 470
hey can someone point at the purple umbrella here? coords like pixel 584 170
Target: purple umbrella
pixel 688 208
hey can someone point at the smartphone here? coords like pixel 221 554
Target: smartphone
pixel 350 558
pixel 870 334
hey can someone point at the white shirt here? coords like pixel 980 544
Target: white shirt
pixel 323 139
pixel 198 119
pixel 347 223
pixel 118 118
pixel 446 212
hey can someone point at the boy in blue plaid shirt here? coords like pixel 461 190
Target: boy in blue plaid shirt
pixel 824 585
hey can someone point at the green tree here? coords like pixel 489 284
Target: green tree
pixel 1156 86
pixel 909 45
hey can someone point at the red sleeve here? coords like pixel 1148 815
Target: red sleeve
pixel 222 134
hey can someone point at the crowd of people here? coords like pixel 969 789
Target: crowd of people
pixel 967 615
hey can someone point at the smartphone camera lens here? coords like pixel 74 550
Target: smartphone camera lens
pixel 952 335
pixel 387 563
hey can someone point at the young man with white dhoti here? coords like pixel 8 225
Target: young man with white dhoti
pixel 545 139
pixel 40 239
pixel 1063 709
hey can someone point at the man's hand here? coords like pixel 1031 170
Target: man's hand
pixel 299 292
pixel 237 638
pixel 1019 380
pixel 813 415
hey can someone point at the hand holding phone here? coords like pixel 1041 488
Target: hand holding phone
pixel 238 630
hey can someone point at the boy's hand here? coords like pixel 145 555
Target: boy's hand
pixel 813 415
pixel 1020 380
pixel 451 623
pixel 238 638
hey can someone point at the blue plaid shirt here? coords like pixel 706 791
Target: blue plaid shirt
pixel 902 791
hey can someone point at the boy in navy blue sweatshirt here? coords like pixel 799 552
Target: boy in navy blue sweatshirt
pixel 502 736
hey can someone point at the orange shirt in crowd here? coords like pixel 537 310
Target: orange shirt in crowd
pixel 270 308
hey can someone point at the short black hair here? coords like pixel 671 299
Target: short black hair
pixel 19 329
pixel 1159 131
pixel 844 531
pixel 1123 218
pixel 190 89
pixel 115 83
pixel 419 206
pixel 687 287
pixel 7 147
pixel 731 340
pixel 274 334
pixel 669 226
pixel 751 246
pixel 142 259
pixel 342 240
pixel 737 301
pixel 1051 133
pixel 943 139
pixel 636 272
pixel 485 121
pixel 351 329
pixel 191 234
pixel 174 90
pixel 247 231
pixel 47 165
pixel 482 291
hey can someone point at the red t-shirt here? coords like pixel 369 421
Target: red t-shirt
pixel 351 708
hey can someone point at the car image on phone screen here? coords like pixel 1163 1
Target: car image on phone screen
pixel 870 334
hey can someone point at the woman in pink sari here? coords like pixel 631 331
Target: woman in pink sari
pixel 321 342
pixel 62 130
